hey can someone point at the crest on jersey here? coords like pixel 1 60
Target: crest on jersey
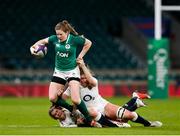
pixel 67 46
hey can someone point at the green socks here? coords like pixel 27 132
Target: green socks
pixel 63 103
pixel 83 109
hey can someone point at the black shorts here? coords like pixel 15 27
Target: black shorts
pixel 62 81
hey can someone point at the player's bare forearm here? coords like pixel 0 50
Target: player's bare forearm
pixel 41 42
pixel 85 49
pixel 87 72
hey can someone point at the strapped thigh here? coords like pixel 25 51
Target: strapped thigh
pixel 120 112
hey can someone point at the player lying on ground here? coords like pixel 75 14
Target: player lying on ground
pixel 96 104
pixel 76 119
pixel 68 119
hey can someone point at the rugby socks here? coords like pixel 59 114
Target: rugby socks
pixel 63 103
pixel 104 121
pixel 131 104
pixel 141 120
pixel 83 109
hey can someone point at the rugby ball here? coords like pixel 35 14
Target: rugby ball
pixel 40 51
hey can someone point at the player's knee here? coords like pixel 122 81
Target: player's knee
pixel 76 101
pixel 53 98
pixel 92 112
pixel 128 115
pixel 134 116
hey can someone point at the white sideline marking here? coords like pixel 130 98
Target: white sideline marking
pixel 25 126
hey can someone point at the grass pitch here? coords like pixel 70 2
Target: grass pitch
pixel 29 116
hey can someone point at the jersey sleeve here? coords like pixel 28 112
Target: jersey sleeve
pixel 51 39
pixel 79 40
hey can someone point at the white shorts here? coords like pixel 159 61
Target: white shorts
pixel 65 75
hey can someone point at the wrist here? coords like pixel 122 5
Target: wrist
pixel 82 66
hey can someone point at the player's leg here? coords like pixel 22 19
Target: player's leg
pixel 110 111
pixel 100 118
pixel 116 112
pixel 133 104
pixel 133 116
pixel 75 97
pixel 136 102
pixel 56 87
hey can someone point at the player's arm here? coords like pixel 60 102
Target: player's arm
pixel 86 47
pixel 40 42
pixel 92 81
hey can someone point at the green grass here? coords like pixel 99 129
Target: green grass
pixel 29 116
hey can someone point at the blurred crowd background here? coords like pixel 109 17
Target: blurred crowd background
pixel 119 30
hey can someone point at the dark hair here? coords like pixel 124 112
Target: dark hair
pixel 66 27
pixel 51 110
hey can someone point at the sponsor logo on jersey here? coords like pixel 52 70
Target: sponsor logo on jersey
pixel 63 55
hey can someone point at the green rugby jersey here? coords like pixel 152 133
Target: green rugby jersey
pixel 65 58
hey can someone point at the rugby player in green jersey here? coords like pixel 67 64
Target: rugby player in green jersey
pixel 66 70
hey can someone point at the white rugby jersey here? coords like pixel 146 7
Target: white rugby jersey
pixel 68 122
pixel 91 97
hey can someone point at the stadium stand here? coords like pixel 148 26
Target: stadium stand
pixel 34 20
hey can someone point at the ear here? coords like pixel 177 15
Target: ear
pixel 68 32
